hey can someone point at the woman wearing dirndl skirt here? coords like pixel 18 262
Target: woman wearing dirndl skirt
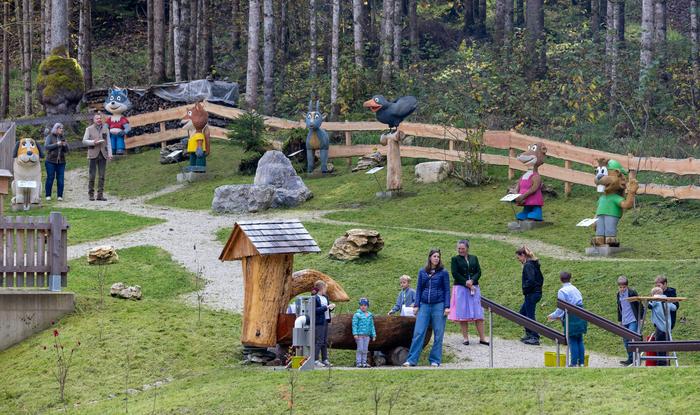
pixel 465 304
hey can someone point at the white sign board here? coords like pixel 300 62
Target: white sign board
pixel 26 184
pixel 295 153
pixel 174 154
pixel 510 197
pixel 374 170
pixel 587 222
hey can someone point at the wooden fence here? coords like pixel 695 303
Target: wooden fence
pixel 504 140
pixel 7 144
pixel 31 249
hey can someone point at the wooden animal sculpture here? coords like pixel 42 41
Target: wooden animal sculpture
pixel 116 103
pixel 27 170
pixel 316 139
pixel 530 184
pixel 391 113
pixel 611 182
pixel 198 144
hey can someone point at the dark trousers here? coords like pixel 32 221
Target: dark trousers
pixel 98 164
pixel 322 340
pixel 660 336
pixel 528 310
pixel 54 170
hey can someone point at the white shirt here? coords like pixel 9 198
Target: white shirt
pixel 324 301
pixel 571 295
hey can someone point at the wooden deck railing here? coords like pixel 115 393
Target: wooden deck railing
pixel 8 132
pixel 504 140
pixel 31 249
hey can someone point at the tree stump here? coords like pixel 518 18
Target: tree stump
pixel 393 160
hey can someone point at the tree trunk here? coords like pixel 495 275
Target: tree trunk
pixel 177 40
pixel 25 46
pixel 251 85
pixel 620 22
pixel 85 42
pixel 283 45
pixel 519 13
pixel 507 26
pixel 499 24
pixel 59 24
pixel 268 57
pixel 184 37
pixel 386 41
pixel 659 25
pixel 413 28
pixel 334 59
pixel 149 40
pixel 158 74
pixel 5 94
pixel 236 23
pixel 536 46
pixel 170 61
pixel 207 38
pixel 595 17
pixel 693 39
pixel 397 26
pixel 47 28
pixel 611 52
pixel 480 17
pixel 313 52
pixel 193 41
pixel 357 32
pixel 646 54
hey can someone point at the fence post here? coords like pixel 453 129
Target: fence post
pixel 511 171
pixel 162 129
pixel 56 223
pixel 348 142
pixel 567 165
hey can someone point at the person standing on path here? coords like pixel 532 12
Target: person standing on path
pixel 465 305
pixel 56 148
pixel 432 306
pixel 532 281
pixel 627 312
pixel 96 138
pixel 577 327
pixel 662 282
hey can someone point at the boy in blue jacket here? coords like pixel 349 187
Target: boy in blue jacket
pixel 362 330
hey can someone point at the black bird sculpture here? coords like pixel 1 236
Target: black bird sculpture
pixel 391 112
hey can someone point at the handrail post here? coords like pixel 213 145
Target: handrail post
pixel 558 352
pixel 568 341
pixel 490 338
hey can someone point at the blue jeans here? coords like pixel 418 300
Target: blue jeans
pixel 54 170
pixel 576 350
pixel 428 315
pixel 631 326
pixel 528 310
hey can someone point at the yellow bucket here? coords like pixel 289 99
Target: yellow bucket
pixel 550 359
pixel 297 361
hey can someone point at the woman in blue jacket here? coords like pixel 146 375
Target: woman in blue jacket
pixel 432 307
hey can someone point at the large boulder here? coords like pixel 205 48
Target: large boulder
pixel 356 243
pixel 242 198
pixel 59 83
pixel 121 290
pixel 432 171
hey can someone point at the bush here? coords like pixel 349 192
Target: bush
pixel 248 130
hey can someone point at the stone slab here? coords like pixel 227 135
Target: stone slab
pixel 527 225
pixel 606 250
pixel 25 312
pixel 189 177
pixel 393 194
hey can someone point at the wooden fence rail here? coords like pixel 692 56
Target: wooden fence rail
pixel 504 140
pixel 31 249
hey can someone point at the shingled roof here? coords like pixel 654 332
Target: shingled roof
pixel 268 237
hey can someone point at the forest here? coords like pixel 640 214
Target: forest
pixel 610 74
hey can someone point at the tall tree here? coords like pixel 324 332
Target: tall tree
pixel 660 16
pixel 170 57
pixel 386 40
pixel 236 23
pixel 283 44
pixel 620 22
pixel 536 46
pixel 357 33
pixel 25 46
pixel 85 42
pixel 5 93
pixel 313 42
pixel 335 52
pixel 149 35
pixel 507 25
pixel 468 24
pixel 158 74
pixel 398 22
pixel 519 13
pixel 413 28
pixel 184 37
pixel 612 53
pixel 595 17
pixel 59 24
pixel 693 39
pixel 499 23
pixel 646 54
pixel 251 84
pixel 480 18
pixel 193 41
pixel 268 56
pixel 177 40
pixel 207 39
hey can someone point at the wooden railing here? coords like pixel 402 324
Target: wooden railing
pixel 31 249
pixel 503 140
pixel 8 130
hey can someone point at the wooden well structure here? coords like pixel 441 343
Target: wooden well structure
pixel 266 250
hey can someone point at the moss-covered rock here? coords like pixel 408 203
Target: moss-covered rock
pixel 60 82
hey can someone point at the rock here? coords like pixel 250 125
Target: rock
pixel 119 289
pixel 356 243
pixel 369 161
pixel 276 185
pixel 59 83
pixel 103 255
pixel 432 171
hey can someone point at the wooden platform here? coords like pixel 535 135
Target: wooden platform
pixel 527 225
pixel 606 250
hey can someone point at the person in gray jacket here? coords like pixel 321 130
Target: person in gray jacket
pixel 96 138
pixel 406 297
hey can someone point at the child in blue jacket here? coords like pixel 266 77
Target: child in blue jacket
pixel 362 330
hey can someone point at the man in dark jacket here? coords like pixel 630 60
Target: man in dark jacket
pixel 662 282
pixel 532 281
pixel 627 312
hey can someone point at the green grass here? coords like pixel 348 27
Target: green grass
pixel 91 225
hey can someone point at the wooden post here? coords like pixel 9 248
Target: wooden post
pixel 567 165
pixel 55 220
pixel 348 142
pixel 161 129
pixel 451 145
pixel 511 171
pixel 393 160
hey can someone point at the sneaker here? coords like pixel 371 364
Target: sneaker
pixel 91 197
pixel 626 362
pixel 366 365
pixel 60 199
pixel 48 197
pixel 407 364
pixel 327 363
pixel 319 363
pixel 484 342
pixel 435 364
pixel 533 341
pixel 100 197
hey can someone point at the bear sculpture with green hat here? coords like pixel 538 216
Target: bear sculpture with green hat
pixel 611 181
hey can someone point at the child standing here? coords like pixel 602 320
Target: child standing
pixel 662 324
pixel 406 297
pixel 323 318
pixel 362 330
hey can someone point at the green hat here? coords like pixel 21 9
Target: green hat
pixel 615 165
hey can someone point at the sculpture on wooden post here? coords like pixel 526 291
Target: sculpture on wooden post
pixel 316 139
pixel 26 186
pixel 198 143
pixel 611 182
pixel 116 103
pixel 530 184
